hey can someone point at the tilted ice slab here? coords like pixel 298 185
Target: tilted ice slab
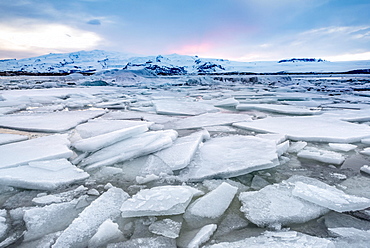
pixel 49 122
pixel 275 205
pixel 82 229
pixel 342 147
pixel 281 109
pixel 97 134
pixel 179 155
pixel 288 239
pixel 229 102
pixel 41 221
pixel 44 148
pixel 321 155
pixel 232 156
pixel 209 119
pixel 161 200
pixel 184 107
pixel 310 128
pixel 329 197
pixel 130 148
pixel 209 208
pixel 6 138
pixel 166 227
pixel 42 175
pixel 107 232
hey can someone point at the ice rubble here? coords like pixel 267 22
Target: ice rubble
pixel 310 129
pixel 209 208
pixel 133 147
pixel 288 239
pixel 83 228
pixel 97 134
pixel 161 200
pixel 43 148
pixel 232 156
pixel 49 122
pixel 6 138
pixel 42 175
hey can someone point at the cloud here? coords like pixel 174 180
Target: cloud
pixel 94 22
pixel 45 38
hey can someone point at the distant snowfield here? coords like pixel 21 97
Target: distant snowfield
pixel 132 159
pixel 98 60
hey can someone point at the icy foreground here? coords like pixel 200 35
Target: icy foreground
pixel 191 161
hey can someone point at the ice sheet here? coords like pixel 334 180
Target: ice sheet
pixel 42 175
pixel 44 148
pixel 182 107
pixel 310 128
pixel 232 156
pixel 48 122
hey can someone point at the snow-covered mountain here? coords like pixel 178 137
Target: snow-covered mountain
pixel 174 64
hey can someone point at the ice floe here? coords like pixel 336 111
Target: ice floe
pixel 161 200
pixel 281 109
pixel 42 175
pixel 48 122
pixel 178 107
pixel 83 228
pixel 310 128
pixel 39 149
pixel 232 156
pixel 321 155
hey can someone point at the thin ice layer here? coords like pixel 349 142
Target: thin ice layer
pixel 288 239
pixel 161 200
pixel 232 156
pixel 48 122
pixel 82 229
pixel 107 132
pixel 310 128
pixel 133 147
pixel 42 175
pixel 44 148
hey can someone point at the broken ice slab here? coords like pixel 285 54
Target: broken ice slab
pixel 41 221
pixel 83 228
pixel 97 134
pixel 6 138
pixel 161 200
pixel 229 102
pixel 135 115
pixel 209 208
pixel 329 197
pixel 321 155
pixel 366 151
pixel 136 146
pixel 275 206
pixel 182 107
pixel 108 232
pixel 286 239
pixel 342 147
pixel 297 146
pixel 157 242
pixel 310 128
pixel 357 185
pixel 350 232
pixel 167 227
pixel 334 220
pixel 42 175
pixel 44 199
pixel 202 236
pixel 3 224
pixel 281 109
pixel 48 122
pixel 209 119
pixel 278 138
pixel 366 141
pixel 44 148
pixel 179 155
pixel 365 168
pixel 231 156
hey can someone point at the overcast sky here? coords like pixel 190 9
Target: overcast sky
pixel 244 30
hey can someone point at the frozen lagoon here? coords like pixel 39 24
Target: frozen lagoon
pixel 167 164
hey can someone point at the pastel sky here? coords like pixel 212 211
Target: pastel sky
pixel 243 30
